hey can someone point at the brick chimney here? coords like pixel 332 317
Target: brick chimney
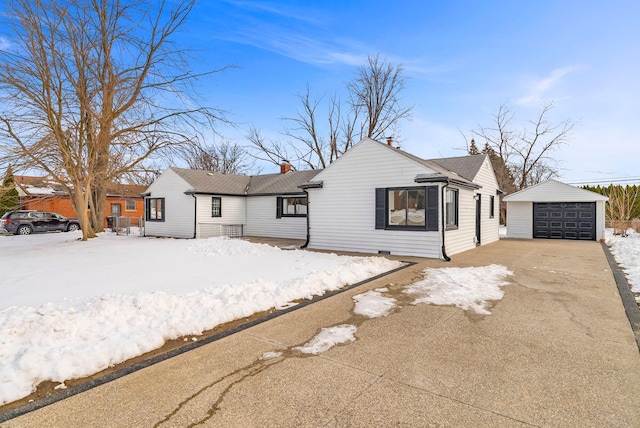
pixel 285 166
pixel 390 141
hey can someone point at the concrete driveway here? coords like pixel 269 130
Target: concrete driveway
pixel 557 350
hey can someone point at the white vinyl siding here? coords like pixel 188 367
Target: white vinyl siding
pixel 233 213
pixel 342 213
pixel 462 238
pixel 262 221
pixel 520 220
pixel 490 225
pixel 179 208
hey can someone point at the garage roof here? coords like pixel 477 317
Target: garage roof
pixel 554 191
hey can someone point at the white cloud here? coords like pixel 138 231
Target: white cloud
pixel 538 89
pixel 4 44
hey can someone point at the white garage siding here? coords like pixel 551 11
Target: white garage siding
pixel 234 216
pixel 520 206
pixel 179 208
pixel 342 213
pixel 520 220
pixel 262 221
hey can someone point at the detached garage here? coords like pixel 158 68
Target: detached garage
pixel 555 210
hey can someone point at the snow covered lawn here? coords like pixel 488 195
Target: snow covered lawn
pixel 70 309
pixel 627 253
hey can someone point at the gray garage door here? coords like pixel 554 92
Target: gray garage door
pixel 565 220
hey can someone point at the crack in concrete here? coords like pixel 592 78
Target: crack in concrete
pixel 258 366
pixel 252 369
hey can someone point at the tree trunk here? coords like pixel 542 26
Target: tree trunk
pixel 80 200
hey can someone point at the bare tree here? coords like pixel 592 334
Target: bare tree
pixel 226 157
pixel 375 96
pixel 374 110
pixel 271 151
pixel 96 89
pixel 527 154
pixel 622 207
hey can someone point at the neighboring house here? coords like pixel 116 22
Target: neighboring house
pixel 45 194
pixel 555 210
pixel 378 199
pixel 186 203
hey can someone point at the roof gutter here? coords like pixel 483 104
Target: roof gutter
pixel 304 187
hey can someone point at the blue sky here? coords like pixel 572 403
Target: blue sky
pixel 463 59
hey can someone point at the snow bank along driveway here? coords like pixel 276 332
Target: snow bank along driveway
pixel 70 309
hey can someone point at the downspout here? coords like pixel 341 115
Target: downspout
pixel 444 220
pixel 306 243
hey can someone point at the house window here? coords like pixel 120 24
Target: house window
pixel 291 207
pixel 492 202
pixel 130 205
pixel 155 209
pixel 216 206
pixel 408 208
pixel 451 209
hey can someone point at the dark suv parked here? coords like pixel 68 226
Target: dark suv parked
pixel 26 222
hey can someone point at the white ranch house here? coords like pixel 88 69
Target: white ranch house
pixel 379 199
pixel 185 203
pixel 374 199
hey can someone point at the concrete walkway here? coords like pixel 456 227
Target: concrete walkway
pixel 556 351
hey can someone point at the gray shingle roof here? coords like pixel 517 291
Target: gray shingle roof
pixel 214 182
pixel 460 168
pixel 280 183
pixel 465 166
pixel 232 184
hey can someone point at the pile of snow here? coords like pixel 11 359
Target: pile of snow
pixel 373 304
pixel 467 288
pixel 328 338
pixel 626 251
pixel 70 309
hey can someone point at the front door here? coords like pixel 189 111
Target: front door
pixel 478 217
pixel 116 209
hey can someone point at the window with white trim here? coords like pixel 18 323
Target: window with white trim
pixel 451 208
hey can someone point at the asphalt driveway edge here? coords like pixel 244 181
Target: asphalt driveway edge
pixel 628 300
pixel 77 389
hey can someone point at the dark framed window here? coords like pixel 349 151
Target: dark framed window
pixel 407 208
pixel 130 205
pixel 216 206
pixel 154 209
pixel 492 203
pixel 451 209
pixel 291 206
